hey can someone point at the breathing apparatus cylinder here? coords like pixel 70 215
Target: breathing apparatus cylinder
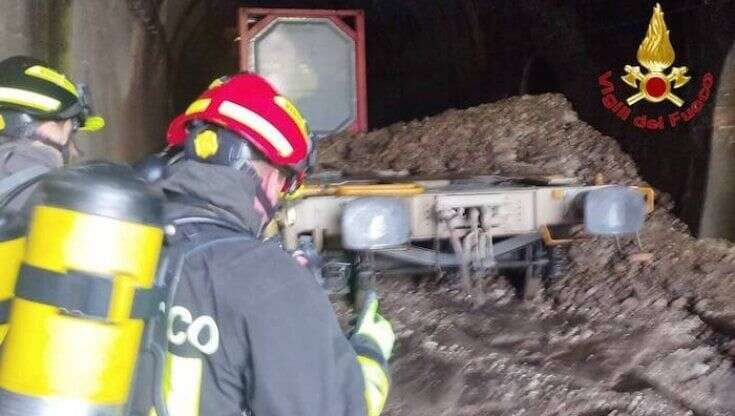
pixel 12 243
pixel 85 289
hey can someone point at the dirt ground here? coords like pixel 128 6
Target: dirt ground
pixel 624 331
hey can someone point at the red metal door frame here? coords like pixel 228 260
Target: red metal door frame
pixel 252 20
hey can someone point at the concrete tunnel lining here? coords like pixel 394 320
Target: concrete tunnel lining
pixel 718 218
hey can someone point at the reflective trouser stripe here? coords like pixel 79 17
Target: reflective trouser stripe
pixel 376 385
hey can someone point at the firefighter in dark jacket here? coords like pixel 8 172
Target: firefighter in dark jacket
pixel 249 330
pixel 40 109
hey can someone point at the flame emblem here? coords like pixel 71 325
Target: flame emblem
pixel 656 54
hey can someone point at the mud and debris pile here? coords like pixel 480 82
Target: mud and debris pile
pixel 626 331
pixel 527 135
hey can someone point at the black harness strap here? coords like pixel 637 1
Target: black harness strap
pixel 146 302
pixel 81 293
pixel 14 184
pixel 19 178
pixel 5 310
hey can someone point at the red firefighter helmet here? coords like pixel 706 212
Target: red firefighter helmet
pixel 248 105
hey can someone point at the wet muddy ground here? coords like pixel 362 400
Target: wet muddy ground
pixel 624 331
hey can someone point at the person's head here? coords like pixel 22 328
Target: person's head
pixel 242 122
pixel 41 105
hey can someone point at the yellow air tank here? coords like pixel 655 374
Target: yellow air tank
pixel 12 242
pixel 84 292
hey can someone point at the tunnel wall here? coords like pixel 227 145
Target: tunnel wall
pixel 111 49
pixel 20 23
pixel 118 53
pixel 719 210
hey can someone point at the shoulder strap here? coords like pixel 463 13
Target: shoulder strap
pixel 172 265
pixel 17 182
pixel 193 220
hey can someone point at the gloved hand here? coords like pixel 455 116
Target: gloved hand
pixel 371 325
pixel 373 340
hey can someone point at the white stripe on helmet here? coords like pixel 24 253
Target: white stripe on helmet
pixel 261 126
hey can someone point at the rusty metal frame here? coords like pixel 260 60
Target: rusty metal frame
pixel 261 18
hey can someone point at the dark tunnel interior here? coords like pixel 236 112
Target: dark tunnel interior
pixel 538 77
pixel 426 56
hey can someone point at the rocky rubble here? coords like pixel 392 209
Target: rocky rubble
pixel 527 135
pixel 626 331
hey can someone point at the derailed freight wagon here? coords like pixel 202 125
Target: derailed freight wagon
pixel 473 226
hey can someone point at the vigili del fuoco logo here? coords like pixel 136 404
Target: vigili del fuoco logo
pixel 657 82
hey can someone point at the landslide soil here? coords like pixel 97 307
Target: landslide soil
pixel 623 331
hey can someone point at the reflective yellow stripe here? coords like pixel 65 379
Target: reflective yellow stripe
pixel 183 385
pixel 2 122
pixel 29 99
pixel 216 83
pixel 294 113
pixel 198 106
pixel 53 77
pixel 376 385
pixel 261 126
